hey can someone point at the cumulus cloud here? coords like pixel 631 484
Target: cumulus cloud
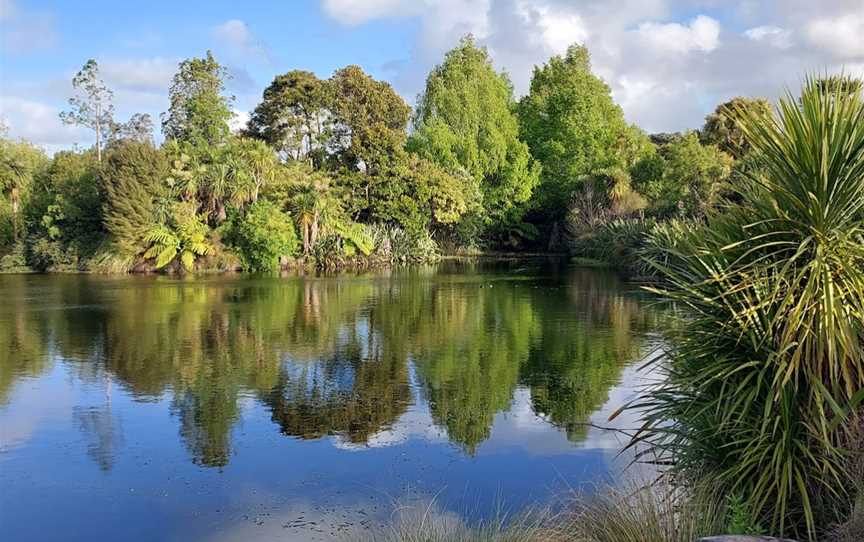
pixel 842 35
pixel 39 123
pixel 667 71
pixel 140 74
pixel 772 35
pixel 702 34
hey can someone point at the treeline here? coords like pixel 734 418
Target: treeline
pixel 328 172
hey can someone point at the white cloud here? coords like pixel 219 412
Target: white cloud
pixel 142 74
pixel 239 121
pixel 562 30
pixel 773 35
pixel 702 34
pixel 666 72
pixel 239 39
pixel 842 35
pixel 39 123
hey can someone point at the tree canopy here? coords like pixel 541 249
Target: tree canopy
pixel 199 111
pixel 573 127
pixel 465 121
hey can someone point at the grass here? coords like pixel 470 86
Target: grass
pixel 632 514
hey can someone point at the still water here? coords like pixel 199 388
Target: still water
pixel 305 408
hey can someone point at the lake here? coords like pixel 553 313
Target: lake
pixel 306 408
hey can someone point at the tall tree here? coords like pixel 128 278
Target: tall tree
pixel 92 108
pixel 574 128
pixel 199 111
pixel 293 117
pixel 465 122
pixel 132 180
pixel 722 129
pixel 369 117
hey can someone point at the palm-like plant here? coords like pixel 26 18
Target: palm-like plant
pixel 185 239
pixel 767 366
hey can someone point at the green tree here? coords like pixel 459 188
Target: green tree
pixel 198 112
pixel 721 127
pixel 93 109
pixel 369 119
pixel 69 206
pixel 684 177
pixel 293 116
pixel 573 128
pixel 132 179
pixel 465 122
pixel 419 194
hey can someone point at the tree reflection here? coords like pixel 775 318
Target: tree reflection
pixel 329 356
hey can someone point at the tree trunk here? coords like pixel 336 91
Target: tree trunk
pixel 16 202
pixel 314 230
pixel 98 132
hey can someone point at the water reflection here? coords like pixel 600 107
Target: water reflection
pixel 344 357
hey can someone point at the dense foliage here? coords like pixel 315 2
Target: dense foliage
pixel 334 159
pixel 465 122
pixel 766 368
pixel 574 129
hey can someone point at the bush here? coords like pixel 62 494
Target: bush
pixel 619 243
pixel 416 246
pixel 15 261
pixel 262 236
pixel 45 254
pixel 767 367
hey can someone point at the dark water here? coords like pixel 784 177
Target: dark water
pixel 220 408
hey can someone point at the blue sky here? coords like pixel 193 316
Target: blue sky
pixel 668 62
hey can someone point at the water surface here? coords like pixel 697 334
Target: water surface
pixel 302 408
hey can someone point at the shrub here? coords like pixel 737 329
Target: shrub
pixel 15 261
pixel 44 254
pixel 262 235
pixel 618 242
pixel 181 240
pixel 766 369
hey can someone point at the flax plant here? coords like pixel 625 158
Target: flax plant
pixel 766 365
